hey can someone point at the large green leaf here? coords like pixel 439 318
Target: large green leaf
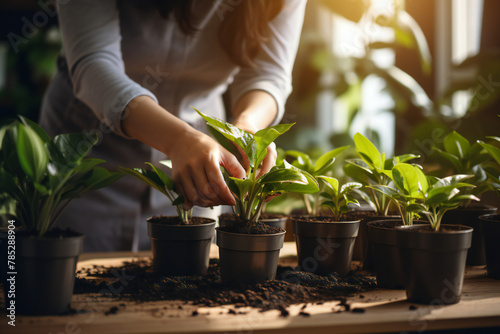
pixel 263 138
pixel 332 183
pixel 327 159
pixel 368 151
pixel 492 150
pixel 310 186
pixel 457 145
pixel 281 175
pixel 32 154
pixel 147 176
pixel 101 177
pixel 349 186
pixel 455 161
pixel 243 186
pixel 407 179
pixel 37 128
pixel 8 153
pixel 387 191
pixel 69 149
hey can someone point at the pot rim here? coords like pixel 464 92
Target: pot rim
pixel 299 220
pixel 208 222
pixel 425 229
pixel 491 217
pixel 251 235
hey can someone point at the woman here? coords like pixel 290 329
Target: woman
pixel 131 71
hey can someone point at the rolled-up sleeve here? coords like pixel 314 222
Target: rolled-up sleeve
pixel 91 41
pixel 274 63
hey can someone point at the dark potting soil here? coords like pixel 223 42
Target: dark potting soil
pixel 323 219
pixel 138 283
pixel 174 220
pixel 251 228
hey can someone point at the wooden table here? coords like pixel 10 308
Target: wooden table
pixel 385 311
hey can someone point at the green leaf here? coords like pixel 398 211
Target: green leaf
pixel 310 186
pixel 165 179
pixel 243 186
pixel 263 138
pixel 349 187
pixel 332 183
pixel 226 143
pixel 407 179
pixel 146 176
pixel 39 131
pixel 101 177
pixel 32 154
pixel 457 164
pixel 302 160
pixel 492 150
pixel 457 145
pixel 368 151
pixel 387 191
pixel 327 159
pixel 283 175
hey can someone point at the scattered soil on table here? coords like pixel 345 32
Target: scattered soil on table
pixel 174 220
pixel 135 281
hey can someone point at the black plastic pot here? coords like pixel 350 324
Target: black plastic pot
pixel 44 274
pixel 181 250
pixel 368 262
pixel 469 216
pixel 386 260
pixel 490 225
pixel 248 258
pixel 433 263
pixel 324 247
pixel 276 222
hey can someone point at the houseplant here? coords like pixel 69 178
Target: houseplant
pixel 39 176
pixel 248 249
pixel 433 256
pixel 180 244
pixel 325 243
pixel 490 224
pixel 468 158
pixel 371 168
pixel 407 183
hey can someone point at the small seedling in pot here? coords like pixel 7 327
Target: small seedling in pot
pixel 373 168
pixel 409 184
pixel 442 195
pixel 321 167
pixel 467 159
pixel 338 197
pixel 251 192
pixel 159 180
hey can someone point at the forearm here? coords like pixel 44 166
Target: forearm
pixel 149 123
pixel 255 110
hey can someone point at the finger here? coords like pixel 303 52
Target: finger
pixel 206 188
pixel 231 164
pixel 269 160
pixel 180 190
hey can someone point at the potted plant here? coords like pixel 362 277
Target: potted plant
pixel 470 159
pixel 433 256
pixel 407 182
pixel 249 249
pixel 180 244
pixel 371 168
pixel 39 176
pixel 490 224
pixel 325 243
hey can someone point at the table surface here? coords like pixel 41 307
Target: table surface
pixel 385 311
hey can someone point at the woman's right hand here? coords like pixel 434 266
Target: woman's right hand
pixel 195 170
pixel 195 156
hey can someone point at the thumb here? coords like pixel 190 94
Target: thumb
pixel 232 165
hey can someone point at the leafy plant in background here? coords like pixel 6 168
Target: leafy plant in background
pixel 409 184
pixel 468 159
pixel 493 171
pixel 441 195
pixel 373 168
pixel 317 169
pixel 159 180
pixel 337 196
pixel 251 192
pixel 39 176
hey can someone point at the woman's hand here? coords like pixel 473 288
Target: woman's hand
pixel 196 172
pixel 195 156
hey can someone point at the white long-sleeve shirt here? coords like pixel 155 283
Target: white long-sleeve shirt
pixel 116 50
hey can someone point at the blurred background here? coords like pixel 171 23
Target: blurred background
pixel 404 73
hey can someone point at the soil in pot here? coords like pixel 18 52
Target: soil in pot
pixel 324 246
pixel 490 225
pixel 291 286
pixel 386 259
pixel 45 268
pixel 469 216
pixel 433 262
pixel 180 249
pixel 248 251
